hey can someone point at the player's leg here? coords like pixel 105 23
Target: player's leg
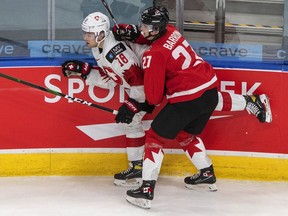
pixel 165 126
pixel 230 102
pixel 135 140
pixel 199 111
pixel 153 157
pixel 258 105
pixel 195 150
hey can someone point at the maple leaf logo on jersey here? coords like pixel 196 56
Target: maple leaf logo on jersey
pixel 193 147
pixel 112 75
pixel 149 153
pixel 134 75
pixel 192 150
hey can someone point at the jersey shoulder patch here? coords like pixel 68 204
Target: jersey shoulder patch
pixel 116 50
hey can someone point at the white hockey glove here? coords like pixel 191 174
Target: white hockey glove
pixel 76 68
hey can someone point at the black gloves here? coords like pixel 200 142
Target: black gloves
pixel 127 111
pixel 76 68
pixel 126 32
pixel 147 107
pixel 129 108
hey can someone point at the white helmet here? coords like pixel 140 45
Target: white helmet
pixel 96 22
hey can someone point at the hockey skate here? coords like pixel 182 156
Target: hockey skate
pixel 259 105
pixel 143 195
pixel 204 179
pixel 130 177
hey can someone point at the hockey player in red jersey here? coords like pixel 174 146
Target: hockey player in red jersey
pixel 116 64
pixel 173 69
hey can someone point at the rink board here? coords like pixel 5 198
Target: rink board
pixel 273 168
pixel 38 129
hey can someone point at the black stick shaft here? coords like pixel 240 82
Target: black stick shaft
pixel 59 94
pixel 110 12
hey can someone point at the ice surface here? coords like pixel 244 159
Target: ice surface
pixel 88 196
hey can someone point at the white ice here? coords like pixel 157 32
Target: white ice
pixel 89 196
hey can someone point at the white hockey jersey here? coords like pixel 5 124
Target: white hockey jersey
pixel 120 65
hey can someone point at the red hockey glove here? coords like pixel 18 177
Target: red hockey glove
pixel 76 68
pixel 127 111
pixel 126 32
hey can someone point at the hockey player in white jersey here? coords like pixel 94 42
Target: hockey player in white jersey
pixel 116 64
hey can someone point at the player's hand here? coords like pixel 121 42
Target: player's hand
pixel 76 68
pixel 126 32
pixel 147 107
pixel 127 111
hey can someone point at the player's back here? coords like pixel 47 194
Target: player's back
pixel 187 75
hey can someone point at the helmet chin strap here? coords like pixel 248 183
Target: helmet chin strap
pixel 99 42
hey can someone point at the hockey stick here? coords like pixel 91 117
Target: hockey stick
pixel 110 13
pixel 59 94
pixel 154 3
pixel 112 17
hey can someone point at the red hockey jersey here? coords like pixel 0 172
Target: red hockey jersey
pixel 172 68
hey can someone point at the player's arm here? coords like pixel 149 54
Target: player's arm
pixel 154 77
pixel 76 68
pixel 93 75
pixel 98 77
pixel 129 32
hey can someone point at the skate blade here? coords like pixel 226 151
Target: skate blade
pixel 265 100
pixel 202 187
pixel 128 183
pixel 139 202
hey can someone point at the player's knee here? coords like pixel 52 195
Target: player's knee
pixel 134 130
pixel 184 138
pixel 153 140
